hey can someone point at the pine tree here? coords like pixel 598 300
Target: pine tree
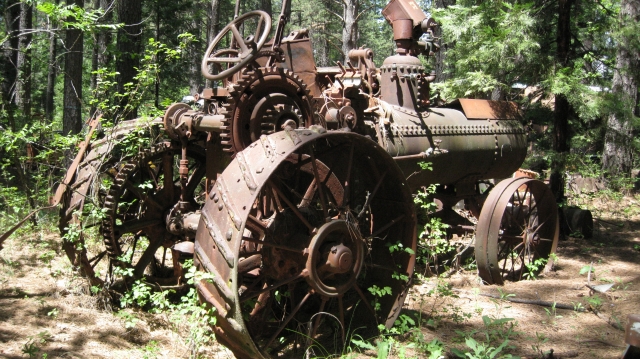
pixel 617 158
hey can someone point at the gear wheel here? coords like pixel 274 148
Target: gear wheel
pixel 86 192
pixel 136 209
pixel 260 102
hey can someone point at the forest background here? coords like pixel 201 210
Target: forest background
pixel 572 66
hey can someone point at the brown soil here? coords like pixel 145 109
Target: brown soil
pixel 43 307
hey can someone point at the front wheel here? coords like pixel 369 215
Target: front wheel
pixel 517 231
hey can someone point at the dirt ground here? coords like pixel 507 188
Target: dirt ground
pixel 45 312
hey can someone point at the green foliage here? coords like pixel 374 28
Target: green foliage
pixel 113 104
pixel 496 335
pixel 483 351
pixel 151 350
pixel 533 268
pixel 433 241
pixel 187 314
pixel 33 346
pixel 493 42
pixel 586 269
pixel 552 313
pixel 595 302
pixel 73 17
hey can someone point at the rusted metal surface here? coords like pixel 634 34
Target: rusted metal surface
pixel 248 47
pixel 98 163
pixel 632 337
pixel 518 225
pixel 144 214
pixel 476 109
pixel 632 331
pixel 305 186
pixel 404 9
pixel 313 213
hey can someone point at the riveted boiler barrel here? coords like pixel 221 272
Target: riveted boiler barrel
pixel 461 150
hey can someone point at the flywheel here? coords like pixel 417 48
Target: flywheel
pixel 261 102
pixel 306 233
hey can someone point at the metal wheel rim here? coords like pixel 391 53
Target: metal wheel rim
pixel 496 237
pixel 225 222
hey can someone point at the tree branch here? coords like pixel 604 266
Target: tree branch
pixel 363 11
pixel 340 17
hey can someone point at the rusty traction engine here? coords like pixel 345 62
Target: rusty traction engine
pixel 292 186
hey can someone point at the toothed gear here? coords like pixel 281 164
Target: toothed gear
pixel 260 102
pixel 138 202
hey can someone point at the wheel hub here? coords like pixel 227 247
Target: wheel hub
pixel 335 258
pixel 340 259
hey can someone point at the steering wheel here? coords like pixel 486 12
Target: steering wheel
pixel 247 50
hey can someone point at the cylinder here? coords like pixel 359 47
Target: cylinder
pixel 400 81
pixel 460 150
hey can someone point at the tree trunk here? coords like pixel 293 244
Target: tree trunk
pixel 52 67
pixel 350 27
pixel 321 46
pixel 617 157
pixel 195 54
pixel 128 49
pixel 213 13
pixel 563 108
pixel 441 56
pixel 23 90
pixel 72 101
pixel 102 38
pixel 9 59
pixel 265 5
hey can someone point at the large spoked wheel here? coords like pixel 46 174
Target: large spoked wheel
pixel 80 213
pixel 310 239
pixel 517 231
pixel 244 50
pixel 144 219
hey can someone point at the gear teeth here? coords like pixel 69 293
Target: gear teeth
pixel 255 79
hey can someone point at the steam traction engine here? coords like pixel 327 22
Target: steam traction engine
pixel 292 185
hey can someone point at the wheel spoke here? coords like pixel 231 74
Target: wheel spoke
pixel 316 322
pixel 133 248
pixel 136 225
pixel 147 256
pixel 364 300
pixel 135 191
pixel 95 260
pixel 386 226
pixel 272 287
pixel 372 195
pixel 346 200
pixel 167 171
pixel 308 195
pixel 292 207
pixel 287 320
pixel 195 179
pixel 317 179
pixel 223 60
pixel 256 37
pixel 341 316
